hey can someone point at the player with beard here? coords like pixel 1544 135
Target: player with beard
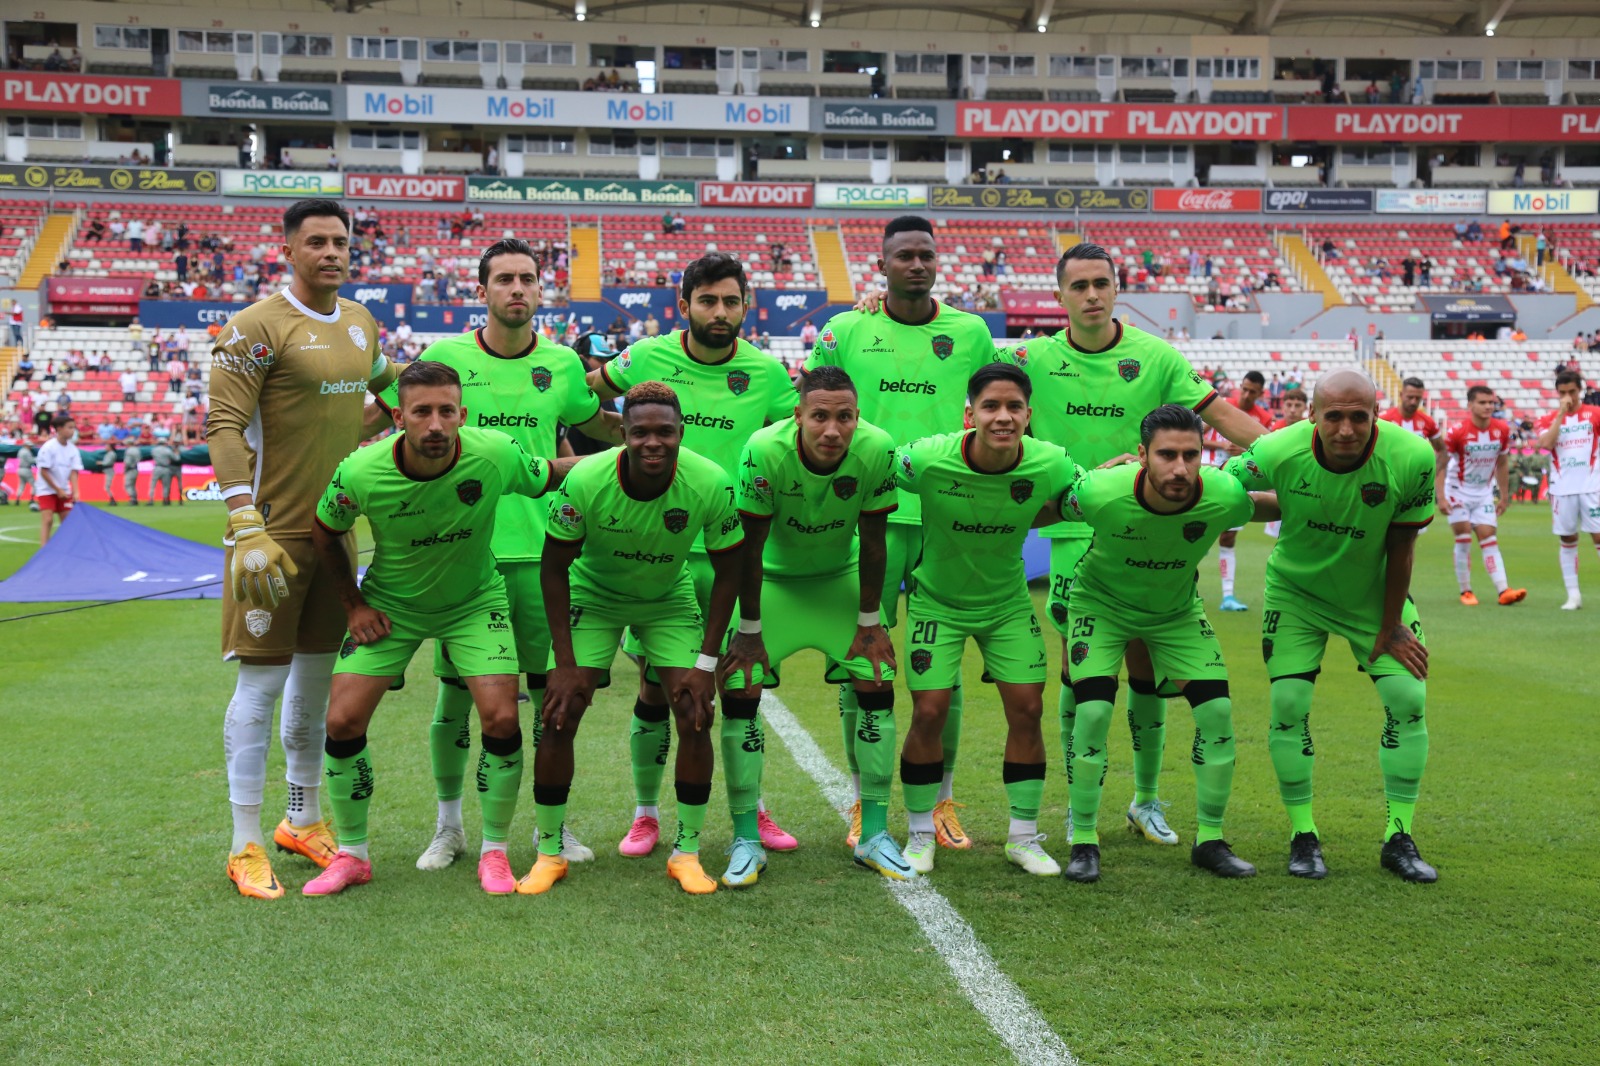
pixel 727 389
pixel 1409 415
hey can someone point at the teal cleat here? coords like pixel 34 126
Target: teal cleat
pixel 1231 604
pixel 882 854
pixel 746 860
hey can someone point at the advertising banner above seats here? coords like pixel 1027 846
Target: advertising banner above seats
pixel 1525 125
pixel 632 111
pixel 1037 198
pixel 1317 200
pixel 1120 122
pixel 1431 201
pixel 1544 201
pixel 435 188
pixel 106 179
pixel 296 183
pixel 868 196
pixel 261 99
pixel 600 192
pixel 755 194
pixel 89 94
pixel 935 117
pixel 1469 308
pixel 1206 200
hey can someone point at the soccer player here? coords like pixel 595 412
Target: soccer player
pixel 1572 434
pixel 1352 496
pixel 728 389
pixel 1154 522
pixel 59 464
pixel 429 497
pixel 981 490
pixel 288 374
pixel 1474 463
pixel 523 385
pixel 1249 401
pixel 1294 410
pixel 1409 414
pixel 1093 382
pixel 620 535
pixel 806 485
pixel 911 365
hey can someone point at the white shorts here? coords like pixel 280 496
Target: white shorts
pixel 1571 515
pixel 1479 510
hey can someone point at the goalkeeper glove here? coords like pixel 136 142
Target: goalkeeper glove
pixel 260 566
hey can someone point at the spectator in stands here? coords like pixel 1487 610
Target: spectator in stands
pixel 1373 92
pixel 180 265
pixel 152 233
pixel 1001 178
pixel 118 227
pixel 25 464
pixel 49 371
pixel 175 371
pixel 652 328
pixel 635 329
pixel 678 224
pixel 24 369
pixel 808 335
pixel 285 160
pixel 25 410
pixel 106 430
pixel 661 280
pixel 1122 276
pixel 752 163
pixel 104 363
pixel 1408 271
pixel 1417 94
pixel 1541 246
pixel 107 465
pixel 17 321
pixel 96 231
pixel 1329 249
pixel 1208 266
pixel 136 236
pixel 152 290
pixel 1194 263
pixel 987 268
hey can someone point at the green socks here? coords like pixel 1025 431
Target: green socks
pixel 450 738
pixel 1402 747
pixel 1212 757
pixel 499 780
pixel 919 781
pixel 1086 770
pixel 549 812
pixel 1289 744
pixel 951 737
pixel 871 747
pixel 743 761
pixel 649 743
pixel 1024 789
pixel 692 800
pixel 849 711
pixel 347 768
pixel 1147 725
pixel 1067 713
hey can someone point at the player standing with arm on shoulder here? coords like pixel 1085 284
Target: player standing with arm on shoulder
pixel 728 389
pixel 911 364
pixel 1571 434
pixel 806 485
pixel 287 384
pixel 1352 495
pixel 1475 462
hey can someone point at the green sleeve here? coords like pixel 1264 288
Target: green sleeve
pixel 825 352
pixel 755 486
pixel 1251 470
pixel 526 475
pixel 622 373
pixel 722 529
pixel 910 462
pixel 339 506
pixel 1241 508
pixel 580 403
pixel 1063 473
pixel 1077 500
pixel 1416 475
pixel 1182 383
pixel 883 498
pixel 782 398
pixel 567 520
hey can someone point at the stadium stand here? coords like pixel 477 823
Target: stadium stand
pixel 1031 251
pixel 19 228
pixel 1521 372
pixel 1241 253
pixel 637 247
pixel 1366 265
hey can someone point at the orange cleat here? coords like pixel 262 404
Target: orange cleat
pixel 685 869
pixel 1510 596
pixel 314 841
pixel 852 838
pixel 252 873
pixel 1468 599
pixel 947 827
pixel 547 870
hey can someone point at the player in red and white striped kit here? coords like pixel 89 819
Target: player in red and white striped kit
pixel 1294 410
pixel 1217 451
pixel 1475 461
pixel 1410 416
pixel 1572 435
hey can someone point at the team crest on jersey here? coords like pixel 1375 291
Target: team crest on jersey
pixel 625 360
pixel 1193 531
pixel 568 516
pixel 1020 354
pixel 1128 368
pixel 676 520
pixel 1021 490
pixel 1080 652
pixel 943 346
pixel 470 491
pixel 844 487
pixel 921 660
pixel 905 463
pixel 263 355
pixel 1373 493
pixel 762 487
pixel 348 648
pixel 541 378
pixel 1266 649
pixel 1072 502
pixel 1255 471
pixel 258 622
pixel 738 382
pixel 359 335
pixel 828 340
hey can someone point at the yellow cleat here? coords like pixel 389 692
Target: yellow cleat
pixel 314 841
pixel 947 827
pixel 853 837
pixel 547 870
pixel 685 869
pixel 251 871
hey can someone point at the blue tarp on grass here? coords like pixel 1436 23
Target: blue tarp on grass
pixel 96 555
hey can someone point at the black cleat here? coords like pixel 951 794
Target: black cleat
pixel 1400 855
pixel 1085 864
pixel 1305 857
pixel 1216 857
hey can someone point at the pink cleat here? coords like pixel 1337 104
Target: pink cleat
pixel 642 838
pixel 494 873
pixel 772 837
pixel 345 870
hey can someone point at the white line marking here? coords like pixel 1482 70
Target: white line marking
pixel 5 534
pixel 997 998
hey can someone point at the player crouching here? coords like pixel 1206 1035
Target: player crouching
pixel 429 496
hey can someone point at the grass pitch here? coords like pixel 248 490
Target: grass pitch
pixel 121 941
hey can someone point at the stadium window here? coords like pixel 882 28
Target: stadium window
pixel 540 53
pixel 915 150
pixel 1229 68
pixel 1525 69
pixel 45 129
pixel 1003 65
pixel 619 55
pixel 789 59
pixel 384 140
pixel 1450 69
pixel 1303 68
pixel 543 144
pixel 683 57
pixel 1373 155
pixel 1079 153
pixel 1151 67
pixel 851 62
pixel 1583 69
pixel 389 48
pixel 619 144
pixel 315 45
pixel 130 38
pixel 919 63
pixel 436 50
pixel 1072 66
pixel 1375 69
pixel 1152 153
pixel 216 42
pixel 1583 155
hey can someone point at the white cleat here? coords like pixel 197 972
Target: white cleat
pixel 449 842
pixel 1033 859
pixel 919 851
pixel 572 849
pixel 1574 602
pixel 1147 820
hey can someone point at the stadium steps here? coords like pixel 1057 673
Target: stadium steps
pixel 586 262
pixel 1312 277
pixel 832 264
pixel 1556 276
pixel 48 250
pixel 9 358
pixel 1066 240
pixel 1385 375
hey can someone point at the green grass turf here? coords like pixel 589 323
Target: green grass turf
pixel 121 941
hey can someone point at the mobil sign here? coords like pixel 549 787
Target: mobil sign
pixel 576 109
pixel 1119 122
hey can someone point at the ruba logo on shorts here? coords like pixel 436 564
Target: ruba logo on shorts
pixel 844 487
pixel 676 520
pixel 1373 493
pixel 1021 490
pixel 470 491
pixel 348 648
pixel 1128 369
pixel 1193 531
pixel 943 346
pixel 497 620
pixel 1080 652
pixel 921 660
pixel 541 377
pixel 738 382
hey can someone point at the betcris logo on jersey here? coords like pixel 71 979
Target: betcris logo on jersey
pixel 504 421
pixel 1090 410
pixel 707 421
pixel 1337 530
pixel 343 388
pixel 919 388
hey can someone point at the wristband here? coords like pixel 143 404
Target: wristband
pixel 749 625
pixel 867 618
pixel 708 663
pixel 236 490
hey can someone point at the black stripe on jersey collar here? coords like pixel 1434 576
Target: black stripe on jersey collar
pixel 683 342
pixel 966 457
pixel 1138 494
pixel 483 346
pixel 624 480
pixel 1322 460
pixel 1066 335
pixel 400 463
pixel 805 460
pixel 937 307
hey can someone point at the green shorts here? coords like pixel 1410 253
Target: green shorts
pixel 905 548
pixel 702 575
pixel 1293 638
pixel 475 637
pixel 1064 558
pixel 1183 647
pixel 528 623
pixel 811 612
pixel 1009 639
pixel 669 631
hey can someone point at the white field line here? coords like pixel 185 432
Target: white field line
pixel 997 998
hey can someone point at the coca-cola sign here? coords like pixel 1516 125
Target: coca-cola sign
pixel 1206 200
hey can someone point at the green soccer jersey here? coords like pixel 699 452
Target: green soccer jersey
pixel 1091 403
pixel 1143 562
pixel 974 523
pixel 637 549
pixel 432 536
pixel 523 396
pixel 912 379
pixel 1330 556
pixel 814 515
